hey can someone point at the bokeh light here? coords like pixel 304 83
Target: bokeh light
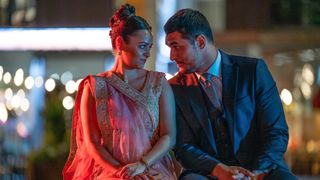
pixel 286 97
pixel 25 104
pixel 15 101
pixel 306 90
pixel 55 76
pixel 71 86
pixel 22 130
pixel 18 78
pixel 50 85
pixel 8 93
pixel 78 83
pixel 65 77
pixel 38 81
pixel 1 72
pixel 21 93
pixel 7 78
pixel 307 74
pixel 68 102
pixel 3 113
pixel 29 82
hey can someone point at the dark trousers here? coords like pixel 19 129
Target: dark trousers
pixel 280 174
pixel 189 175
pixel 277 174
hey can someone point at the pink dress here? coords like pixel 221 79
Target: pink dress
pixel 129 126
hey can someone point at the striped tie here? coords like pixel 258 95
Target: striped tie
pixel 213 88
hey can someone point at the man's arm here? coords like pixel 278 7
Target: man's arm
pixel 188 152
pixel 272 124
pixel 193 158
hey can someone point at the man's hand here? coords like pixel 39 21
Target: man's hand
pixel 259 175
pixel 225 172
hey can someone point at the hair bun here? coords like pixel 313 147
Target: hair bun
pixel 124 22
pixel 125 12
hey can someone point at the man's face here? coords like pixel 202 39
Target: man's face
pixel 184 53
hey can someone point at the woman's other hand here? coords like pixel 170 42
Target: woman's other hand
pixel 132 169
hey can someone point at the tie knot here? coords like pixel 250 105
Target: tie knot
pixel 207 76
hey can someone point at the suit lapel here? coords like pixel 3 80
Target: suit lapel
pixel 229 93
pixel 192 87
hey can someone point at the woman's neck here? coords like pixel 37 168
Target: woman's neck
pixel 125 73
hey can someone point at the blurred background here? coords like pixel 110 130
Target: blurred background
pixel 48 46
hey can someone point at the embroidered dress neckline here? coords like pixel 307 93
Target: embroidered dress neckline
pixel 142 91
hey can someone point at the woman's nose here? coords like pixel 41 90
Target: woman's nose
pixel 146 54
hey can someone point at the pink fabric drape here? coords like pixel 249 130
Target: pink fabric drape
pixel 79 164
pixel 130 135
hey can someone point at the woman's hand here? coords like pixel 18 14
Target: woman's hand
pixel 131 170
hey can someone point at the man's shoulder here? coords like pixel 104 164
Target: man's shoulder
pixel 175 79
pixel 181 78
pixel 244 59
pixel 246 64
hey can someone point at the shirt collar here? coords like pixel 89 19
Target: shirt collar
pixel 214 69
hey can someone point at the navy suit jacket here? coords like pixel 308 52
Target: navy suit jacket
pixel 254 113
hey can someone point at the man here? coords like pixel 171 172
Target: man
pixel 230 121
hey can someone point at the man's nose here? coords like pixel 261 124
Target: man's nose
pixel 172 56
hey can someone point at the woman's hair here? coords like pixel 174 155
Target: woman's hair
pixel 190 23
pixel 125 22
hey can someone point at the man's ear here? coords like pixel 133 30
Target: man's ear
pixel 119 43
pixel 201 41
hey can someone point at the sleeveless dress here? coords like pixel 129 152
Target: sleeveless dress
pixel 129 127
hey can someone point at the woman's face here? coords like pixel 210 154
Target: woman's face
pixel 136 51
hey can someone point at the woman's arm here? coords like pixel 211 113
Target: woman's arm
pixel 167 124
pixel 91 132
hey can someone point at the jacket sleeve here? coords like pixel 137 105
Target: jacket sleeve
pixel 187 149
pixel 272 125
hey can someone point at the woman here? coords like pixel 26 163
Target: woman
pixel 124 119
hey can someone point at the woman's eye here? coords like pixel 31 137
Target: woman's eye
pixel 142 46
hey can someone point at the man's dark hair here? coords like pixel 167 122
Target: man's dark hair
pixel 190 23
